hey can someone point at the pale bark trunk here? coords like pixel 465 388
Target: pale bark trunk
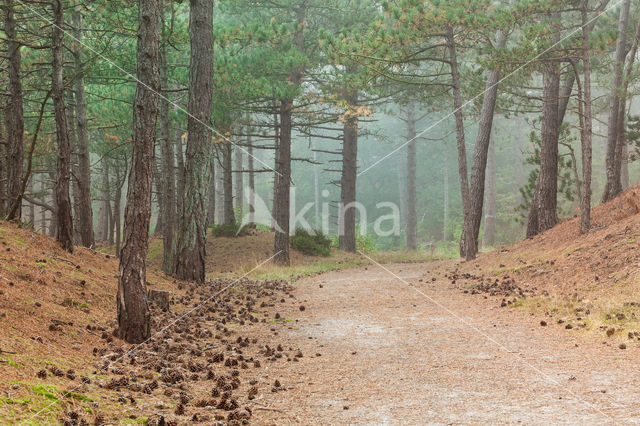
pixel 490 208
pixel 227 180
pixel 239 180
pixel 412 211
pixel 252 184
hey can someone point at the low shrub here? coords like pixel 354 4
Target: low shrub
pixel 317 244
pixel 222 230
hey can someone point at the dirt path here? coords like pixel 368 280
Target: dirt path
pixel 376 351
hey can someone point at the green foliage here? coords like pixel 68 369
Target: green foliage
pixel 317 244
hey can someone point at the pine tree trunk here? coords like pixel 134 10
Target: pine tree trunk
pixel 32 207
pixel 348 181
pixel 103 224
pixel 227 181
pixel 192 238
pixel 548 179
pixel 3 169
pixel 412 210
pixel 467 242
pixel 445 194
pixel 479 165
pixel 211 209
pixel 168 165
pixel 219 176
pixel 252 184
pixel 73 138
pixel 585 202
pixel 239 180
pixel 64 234
pixel 85 219
pixel 179 180
pixel 14 116
pixel 158 230
pixel 282 188
pixel 613 185
pixel 134 318
pixel 490 208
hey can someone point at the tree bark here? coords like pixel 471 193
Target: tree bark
pixel 239 181
pixel 103 213
pixel 348 181
pixel 211 208
pixel 134 318
pixel 180 180
pixel 613 185
pixel 412 210
pixel 282 192
pixel 467 242
pixel 14 116
pixel 445 194
pixel 229 217
pixel 168 164
pixel 64 234
pixel 490 208
pixel 479 165
pixel 193 230
pixel 252 184
pixel 85 219
pixel 585 202
pixel 548 179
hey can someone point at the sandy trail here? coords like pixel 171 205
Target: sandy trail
pixel 375 351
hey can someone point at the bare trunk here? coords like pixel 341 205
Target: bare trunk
pixel 239 180
pixel 490 208
pixel 445 194
pixel 613 185
pixel 73 138
pixel 347 234
pixel 134 318
pixel 64 234
pixel 467 242
pixel 585 202
pixel 211 207
pixel 14 112
pixel 282 192
pixel 180 180
pixel 85 220
pixel 168 164
pixel 252 184
pixel 412 210
pixel 479 165
pixel 193 230
pixel 227 180
pixel 548 180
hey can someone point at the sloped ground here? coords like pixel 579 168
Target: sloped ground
pixel 60 363
pixel 580 282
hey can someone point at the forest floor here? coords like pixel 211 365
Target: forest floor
pixel 543 331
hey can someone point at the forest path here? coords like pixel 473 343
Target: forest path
pixel 377 351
